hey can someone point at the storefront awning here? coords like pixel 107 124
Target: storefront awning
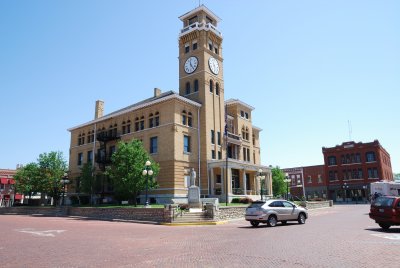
pixel 4 181
pixel 12 181
pixel 18 196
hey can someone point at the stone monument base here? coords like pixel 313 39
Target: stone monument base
pixel 194 198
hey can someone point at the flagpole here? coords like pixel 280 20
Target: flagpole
pixel 226 161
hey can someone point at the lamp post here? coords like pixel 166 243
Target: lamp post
pixel 64 181
pixel 147 172
pixel 287 180
pixel 261 177
pixel 365 187
pixel 345 187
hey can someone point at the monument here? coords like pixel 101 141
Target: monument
pixel 194 193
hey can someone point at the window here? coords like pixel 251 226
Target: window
pixel 111 150
pixel 246 115
pixel 193 20
pixel 89 156
pixel 187 48
pixel 142 123
pixel 245 133
pixel 213 154
pixel 190 119
pixel 242 114
pixel 194 46
pixel 370 157
pixel 184 118
pixel 211 86
pixel 187 90
pixel 216 50
pixel 157 119
pixel 219 155
pixel 210 45
pixel 213 137
pixel 137 124
pixel 80 159
pixel 217 89
pixel 319 178
pixel 123 127
pixel 196 85
pixel 219 138
pixel 332 175
pixel 153 145
pixel 373 173
pixel 309 179
pixel 358 158
pixel 186 144
pixel 331 160
pixel 360 173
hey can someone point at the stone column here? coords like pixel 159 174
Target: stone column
pixel 212 181
pixel 222 180
pixel 244 182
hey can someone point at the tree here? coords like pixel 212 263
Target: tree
pixel 279 186
pixel 27 179
pixel 52 167
pixel 126 170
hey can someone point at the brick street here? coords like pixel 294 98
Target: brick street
pixel 342 236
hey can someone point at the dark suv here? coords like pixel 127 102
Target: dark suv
pixel 385 210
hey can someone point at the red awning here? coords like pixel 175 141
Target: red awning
pixel 4 181
pixel 12 181
pixel 18 196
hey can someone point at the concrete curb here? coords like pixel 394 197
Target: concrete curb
pixel 193 223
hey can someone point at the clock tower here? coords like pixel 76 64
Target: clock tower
pixel 201 80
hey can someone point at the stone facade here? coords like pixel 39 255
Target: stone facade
pixel 183 130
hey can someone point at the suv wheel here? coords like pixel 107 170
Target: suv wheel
pixel 254 223
pixel 302 218
pixel 272 221
pixel 384 226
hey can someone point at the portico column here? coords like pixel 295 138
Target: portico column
pixel 212 181
pixel 244 182
pixel 222 180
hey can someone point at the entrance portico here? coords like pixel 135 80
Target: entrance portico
pixel 243 180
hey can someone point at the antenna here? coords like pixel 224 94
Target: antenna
pixel 350 129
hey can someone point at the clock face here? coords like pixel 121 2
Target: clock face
pixel 213 63
pixel 191 65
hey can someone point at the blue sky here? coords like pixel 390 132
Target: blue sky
pixel 308 67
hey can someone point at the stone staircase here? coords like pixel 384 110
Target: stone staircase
pixel 191 217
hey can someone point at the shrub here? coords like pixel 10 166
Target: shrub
pixel 183 206
pixel 235 200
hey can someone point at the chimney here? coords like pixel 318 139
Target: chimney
pixel 157 92
pixel 99 109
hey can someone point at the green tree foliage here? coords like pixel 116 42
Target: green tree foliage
pixel 87 179
pixel 278 183
pixel 27 179
pixel 52 167
pixel 126 170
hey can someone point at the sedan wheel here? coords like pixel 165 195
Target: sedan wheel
pixel 272 221
pixel 254 223
pixel 302 218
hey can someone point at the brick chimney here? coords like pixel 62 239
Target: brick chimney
pixel 157 92
pixel 99 109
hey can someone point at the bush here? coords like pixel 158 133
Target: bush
pixel 183 206
pixel 245 200
pixel 235 200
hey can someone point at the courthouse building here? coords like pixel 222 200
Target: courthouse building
pixel 183 130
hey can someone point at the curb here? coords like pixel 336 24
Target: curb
pixel 193 223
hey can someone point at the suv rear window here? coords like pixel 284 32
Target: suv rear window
pixel 383 201
pixel 256 204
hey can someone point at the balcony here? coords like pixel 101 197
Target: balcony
pixel 200 26
pixel 103 159
pixel 106 136
pixel 234 138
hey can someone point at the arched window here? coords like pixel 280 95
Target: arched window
pixel 128 126
pixel 151 120
pixel 184 118
pixel 211 86
pixel 196 85
pixel 187 88
pixel 142 122
pixel 190 119
pixel 137 124
pixel 157 119
pixel 123 127
pixel 216 88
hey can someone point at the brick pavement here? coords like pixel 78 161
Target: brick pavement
pixel 342 236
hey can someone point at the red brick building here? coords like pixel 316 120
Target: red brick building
pixel 351 167
pixel 308 182
pixel 8 196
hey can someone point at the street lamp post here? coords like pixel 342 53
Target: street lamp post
pixel 345 187
pixel 261 177
pixel 287 180
pixel 365 187
pixel 147 172
pixel 64 181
